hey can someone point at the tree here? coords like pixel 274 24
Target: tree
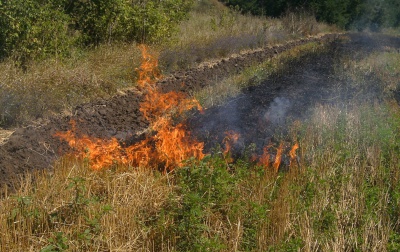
pixel 32 29
pixel 344 13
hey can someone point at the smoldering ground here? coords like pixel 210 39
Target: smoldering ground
pixel 263 113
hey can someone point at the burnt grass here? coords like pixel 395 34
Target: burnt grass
pixel 257 114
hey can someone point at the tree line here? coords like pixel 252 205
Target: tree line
pixel 39 28
pixel 347 14
pixel 35 29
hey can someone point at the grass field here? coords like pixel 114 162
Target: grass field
pixel 342 195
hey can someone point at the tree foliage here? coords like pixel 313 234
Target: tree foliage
pixel 358 14
pixel 32 29
pixel 37 28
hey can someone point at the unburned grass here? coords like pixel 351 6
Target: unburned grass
pixel 214 31
pixel 79 210
pixel 343 197
pixel 52 87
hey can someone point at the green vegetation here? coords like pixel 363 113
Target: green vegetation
pixel 359 14
pixel 35 29
pixel 345 194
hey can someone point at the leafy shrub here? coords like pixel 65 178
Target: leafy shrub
pixel 153 21
pixel 33 30
pixel 205 191
pixel 36 29
pixel 96 20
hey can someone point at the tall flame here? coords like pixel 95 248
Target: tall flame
pixel 264 160
pixel 278 157
pixel 168 147
pixel 292 153
pixel 148 71
pixel 231 137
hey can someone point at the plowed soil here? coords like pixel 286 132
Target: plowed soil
pixel 256 113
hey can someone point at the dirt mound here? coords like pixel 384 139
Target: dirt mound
pixel 35 147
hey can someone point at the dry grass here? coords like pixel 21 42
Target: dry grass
pixel 214 31
pixel 93 211
pixel 344 196
pixel 385 66
pixel 344 199
pixel 53 87
pixel 4 135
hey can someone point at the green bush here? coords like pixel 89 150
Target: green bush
pixel 126 20
pixel 97 21
pixel 153 21
pixel 31 29
pixel 36 29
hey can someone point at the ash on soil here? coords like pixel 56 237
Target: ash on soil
pixel 306 83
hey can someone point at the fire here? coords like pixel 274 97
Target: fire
pixel 99 152
pixel 231 137
pixel 156 105
pixel 148 70
pixel 168 144
pixel 174 145
pixel 278 157
pixel 292 153
pixel 168 147
pixel 264 160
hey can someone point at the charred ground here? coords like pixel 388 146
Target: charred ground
pixel 261 112
pixel 256 114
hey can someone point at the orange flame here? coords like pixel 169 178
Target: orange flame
pixel 264 160
pixel 168 147
pixel 148 70
pixel 231 137
pixel 278 157
pixel 292 153
pixel 99 152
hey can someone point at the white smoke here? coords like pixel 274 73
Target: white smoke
pixel 276 113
